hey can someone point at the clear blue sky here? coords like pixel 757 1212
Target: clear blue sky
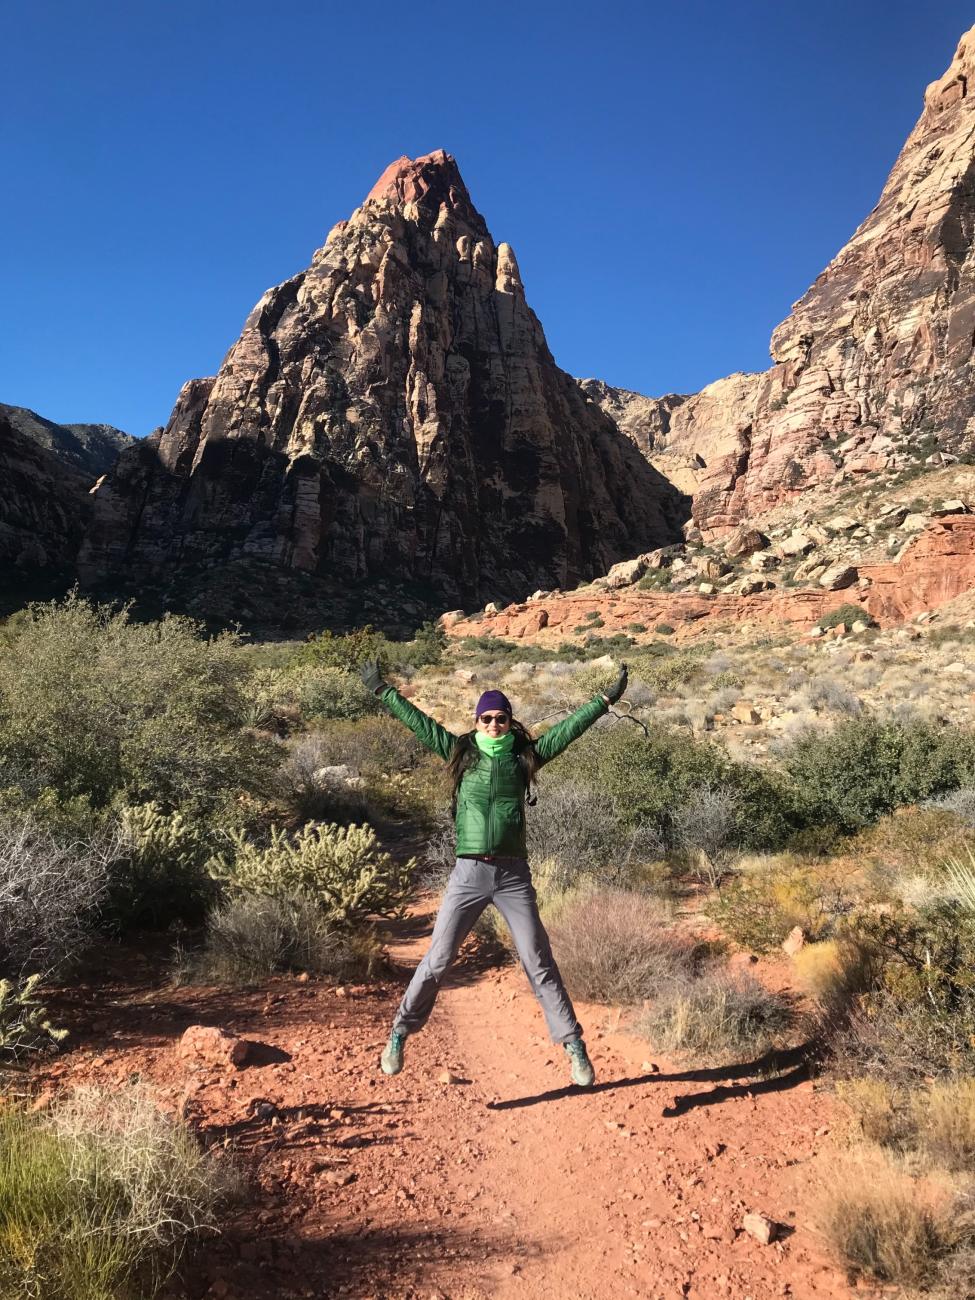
pixel 671 175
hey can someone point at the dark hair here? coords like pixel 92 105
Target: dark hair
pixel 465 754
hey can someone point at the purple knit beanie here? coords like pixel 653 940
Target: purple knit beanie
pixel 493 700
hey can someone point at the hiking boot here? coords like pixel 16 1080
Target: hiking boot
pixel 582 1072
pixel 391 1061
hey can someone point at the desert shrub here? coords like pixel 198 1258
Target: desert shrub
pixel 50 889
pixel 848 614
pixel 651 777
pixel 865 767
pixel 919 1020
pixel 24 1026
pixel 882 1223
pixel 943 1122
pixel 835 972
pixel 827 694
pixel 374 745
pixel 98 1197
pixel 618 947
pixel 252 936
pixel 344 652
pixel 341 868
pixel 664 629
pixel 93 704
pixel 666 673
pixel 313 792
pixel 158 872
pixel 727 679
pixel 960 803
pixel 758 908
pixel 654 580
pixel 325 692
pixel 584 833
pixel 914 841
pixel 715 1016
pixel 703 827
pixel 636 628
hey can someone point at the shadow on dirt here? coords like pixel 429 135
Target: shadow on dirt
pixel 776 1071
pixel 405 1262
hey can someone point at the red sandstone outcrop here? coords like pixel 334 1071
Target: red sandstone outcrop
pixel 938 566
pixel 875 364
pixel 393 412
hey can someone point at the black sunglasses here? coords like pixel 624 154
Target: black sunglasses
pixel 500 718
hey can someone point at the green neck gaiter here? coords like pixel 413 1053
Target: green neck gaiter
pixel 493 747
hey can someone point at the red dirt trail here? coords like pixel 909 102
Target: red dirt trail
pixel 505 1183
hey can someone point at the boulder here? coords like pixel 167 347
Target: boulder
pixel 838 576
pixel 795 544
pixel 745 540
pixel 206 1047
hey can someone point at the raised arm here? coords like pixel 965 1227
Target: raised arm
pixel 559 737
pixel 426 729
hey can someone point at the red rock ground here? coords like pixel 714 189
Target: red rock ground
pixel 504 1183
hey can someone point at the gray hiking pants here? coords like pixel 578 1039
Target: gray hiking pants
pixel 472 886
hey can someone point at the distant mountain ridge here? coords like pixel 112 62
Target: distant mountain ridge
pixel 91 448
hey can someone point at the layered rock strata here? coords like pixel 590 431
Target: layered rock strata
pixel 874 366
pixel 391 412
pixel 936 567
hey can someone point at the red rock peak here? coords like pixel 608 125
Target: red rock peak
pixel 429 181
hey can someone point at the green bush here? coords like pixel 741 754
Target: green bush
pixel 250 937
pixel 92 704
pixel 865 767
pixel 98 1198
pixel 848 614
pixel 636 628
pixel 649 777
pixel 664 629
pixel 344 652
pixel 341 868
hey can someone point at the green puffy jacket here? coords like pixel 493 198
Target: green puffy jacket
pixel 491 798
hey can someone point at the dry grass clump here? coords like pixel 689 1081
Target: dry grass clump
pixel 890 1227
pixel 835 972
pixel 251 937
pixel 935 1123
pixel 97 1199
pixel 618 946
pixel 716 1016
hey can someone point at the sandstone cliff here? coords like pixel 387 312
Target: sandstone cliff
pixel 393 412
pixel 874 367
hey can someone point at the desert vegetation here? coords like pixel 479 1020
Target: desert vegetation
pixel 252 803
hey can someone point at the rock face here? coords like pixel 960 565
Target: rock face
pixel 874 367
pixel 391 412
pixel 91 448
pixel 44 503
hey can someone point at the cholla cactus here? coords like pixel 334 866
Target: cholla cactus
pixel 24 1025
pixel 158 840
pixel 340 867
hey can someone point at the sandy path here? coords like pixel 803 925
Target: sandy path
pixel 637 1188
pixel 505 1184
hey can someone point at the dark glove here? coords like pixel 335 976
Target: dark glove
pixel 372 678
pixel 615 691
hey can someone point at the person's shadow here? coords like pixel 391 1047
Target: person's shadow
pixel 776 1071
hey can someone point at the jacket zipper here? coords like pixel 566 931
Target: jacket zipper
pixel 493 797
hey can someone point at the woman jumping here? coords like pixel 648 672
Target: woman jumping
pixel 493 768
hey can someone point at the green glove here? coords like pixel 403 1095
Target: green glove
pixel 372 678
pixel 615 691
